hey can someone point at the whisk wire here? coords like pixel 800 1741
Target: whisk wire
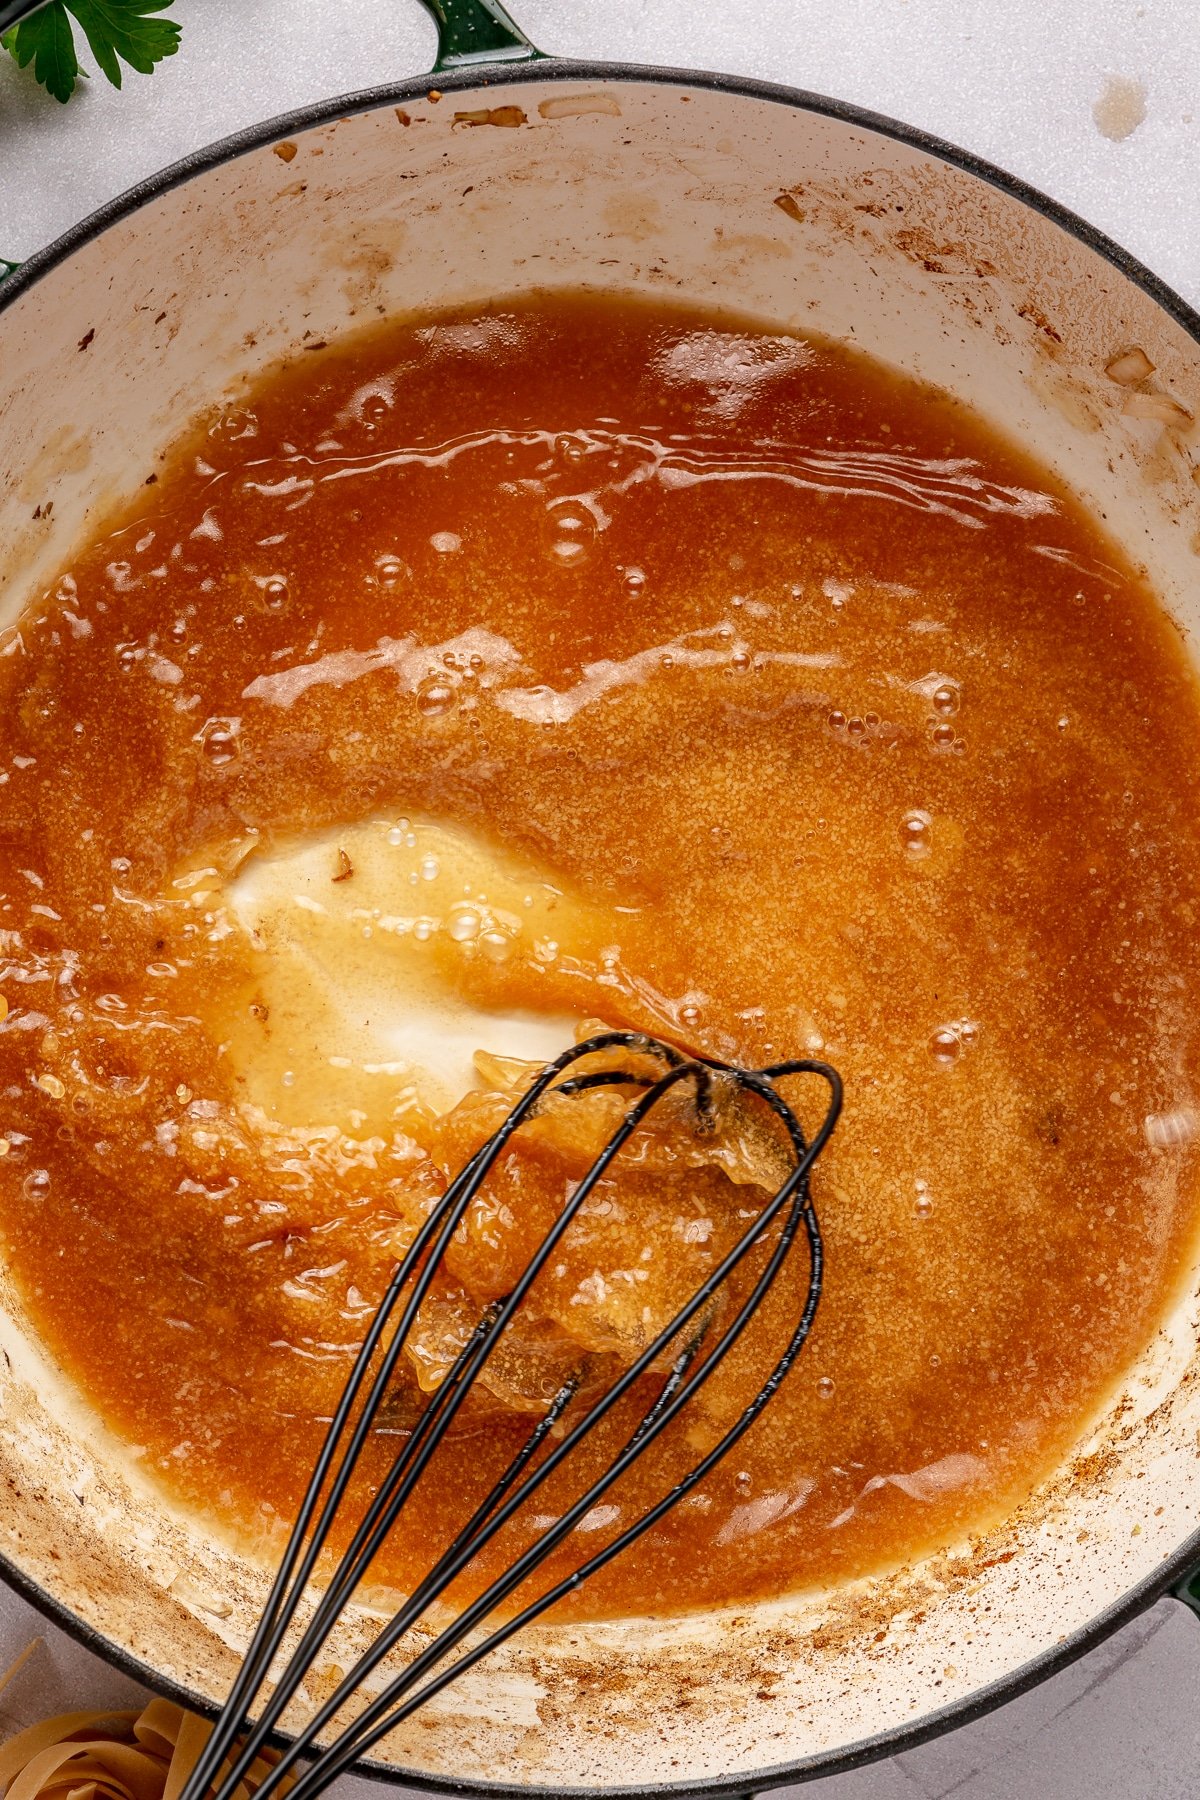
pixel 375 1721
pixel 520 1480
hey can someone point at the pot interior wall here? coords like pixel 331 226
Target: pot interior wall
pixel 731 200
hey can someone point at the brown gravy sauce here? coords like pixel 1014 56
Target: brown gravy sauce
pixel 785 708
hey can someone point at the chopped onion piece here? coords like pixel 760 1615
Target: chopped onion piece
pixel 1160 407
pixel 1130 367
pixel 1171 1131
pixel 573 106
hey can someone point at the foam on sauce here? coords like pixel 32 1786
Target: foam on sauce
pixel 586 659
pixel 362 944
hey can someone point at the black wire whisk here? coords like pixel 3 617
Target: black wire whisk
pixel 688 1339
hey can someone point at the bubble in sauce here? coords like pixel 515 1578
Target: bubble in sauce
pixel 942 734
pixel 274 592
pixel 836 720
pixel 495 945
pixel 743 1481
pixel 634 581
pixel 922 1205
pixel 825 1388
pixel 375 409
pixel 219 741
pixel 429 868
pixel 945 1045
pixel 570 533
pixel 436 695
pixel 856 727
pixel 423 930
pixel 946 699
pixel 389 570
pixel 689 1015
pixel 915 829
pixel 446 543
pixel 36 1184
pixel 569 449
pixel 742 659
pixel 464 926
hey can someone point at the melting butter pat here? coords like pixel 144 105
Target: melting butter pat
pixel 382 956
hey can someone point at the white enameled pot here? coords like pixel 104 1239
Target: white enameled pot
pixel 491 178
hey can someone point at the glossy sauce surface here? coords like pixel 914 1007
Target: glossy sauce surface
pixel 582 659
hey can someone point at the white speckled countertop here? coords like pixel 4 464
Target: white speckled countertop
pixel 1028 84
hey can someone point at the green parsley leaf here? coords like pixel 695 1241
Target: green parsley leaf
pixel 123 28
pixel 46 41
pixel 116 30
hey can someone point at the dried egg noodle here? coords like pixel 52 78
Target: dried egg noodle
pixel 584 659
pixel 146 1755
